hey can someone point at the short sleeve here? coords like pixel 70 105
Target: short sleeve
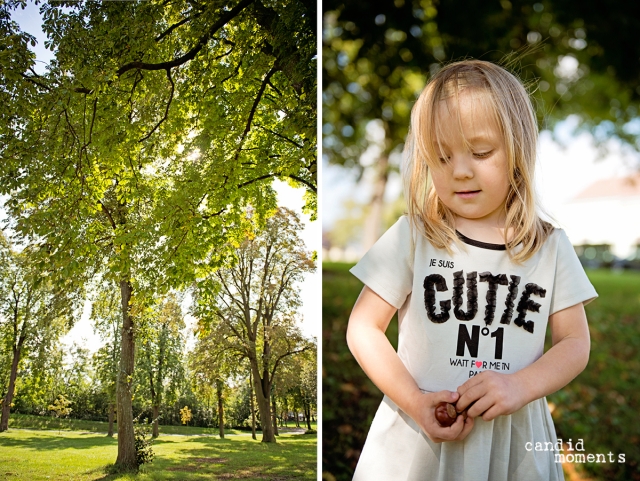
pixel 571 286
pixel 387 267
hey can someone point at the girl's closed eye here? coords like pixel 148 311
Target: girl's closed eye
pixel 483 155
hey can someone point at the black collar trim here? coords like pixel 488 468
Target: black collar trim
pixel 482 245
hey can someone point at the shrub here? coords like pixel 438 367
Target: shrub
pixel 143 443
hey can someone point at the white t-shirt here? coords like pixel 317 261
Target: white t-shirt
pixel 459 315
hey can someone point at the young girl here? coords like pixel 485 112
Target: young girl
pixel 475 275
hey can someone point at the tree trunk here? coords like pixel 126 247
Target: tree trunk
pixel 297 418
pixel 285 414
pixel 126 441
pixel 219 387
pixel 307 414
pixel 274 416
pixel 111 408
pixel 8 399
pixel 263 398
pixel 373 223
pixel 253 407
pixel 156 429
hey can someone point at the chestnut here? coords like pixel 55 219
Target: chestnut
pixel 446 414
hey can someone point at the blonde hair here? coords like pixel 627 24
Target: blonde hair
pixel 509 105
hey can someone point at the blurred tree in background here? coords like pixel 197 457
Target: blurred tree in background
pixel 577 57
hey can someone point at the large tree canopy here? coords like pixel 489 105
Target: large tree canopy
pixel 139 148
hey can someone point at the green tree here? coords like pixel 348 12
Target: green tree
pixel 60 407
pixel 106 316
pixel 34 312
pixel 213 363
pixel 137 150
pixel 296 384
pixel 160 350
pixel 78 381
pixel 254 302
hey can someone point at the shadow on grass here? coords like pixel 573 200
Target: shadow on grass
pixel 191 459
pixel 210 458
pixel 39 443
pixel 290 458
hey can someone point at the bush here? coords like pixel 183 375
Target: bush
pixel 143 443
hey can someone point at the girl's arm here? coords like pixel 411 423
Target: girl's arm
pixel 373 351
pixel 496 393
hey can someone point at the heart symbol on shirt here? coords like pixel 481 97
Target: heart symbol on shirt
pixel 478 363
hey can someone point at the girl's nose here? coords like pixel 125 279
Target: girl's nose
pixel 462 167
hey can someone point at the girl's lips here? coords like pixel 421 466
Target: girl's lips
pixel 468 194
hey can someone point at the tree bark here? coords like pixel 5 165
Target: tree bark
pixel 156 430
pixel 373 224
pixel 8 399
pixel 219 387
pixel 253 407
pixel 285 414
pixel 307 414
pixel 263 398
pixel 111 409
pixel 274 416
pixel 126 441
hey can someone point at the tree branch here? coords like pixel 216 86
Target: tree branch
pixel 176 25
pixel 262 177
pixel 191 54
pixel 166 110
pixel 302 181
pixel 106 211
pixel 281 136
pixel 29 78
pixel 252 112
pixel 275 365
pixel 93 119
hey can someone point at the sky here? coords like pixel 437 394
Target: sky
pixel 82 332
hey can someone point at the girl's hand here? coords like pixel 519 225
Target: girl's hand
pixel 423 413
pixel 494 394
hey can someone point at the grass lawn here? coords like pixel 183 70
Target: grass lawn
pixel 34 455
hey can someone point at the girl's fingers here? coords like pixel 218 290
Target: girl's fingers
pixel 470 395
pixel 469 383
pixel 491 413
pixel 445 396
pixel 468 426
pixel 480 407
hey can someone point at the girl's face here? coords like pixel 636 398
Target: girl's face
pixel 472 179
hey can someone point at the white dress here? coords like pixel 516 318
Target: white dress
pixel 459 315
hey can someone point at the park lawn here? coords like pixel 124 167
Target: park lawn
pixel 30 455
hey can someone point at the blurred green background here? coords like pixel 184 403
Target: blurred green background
pixel 580 60
pixel 599 406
